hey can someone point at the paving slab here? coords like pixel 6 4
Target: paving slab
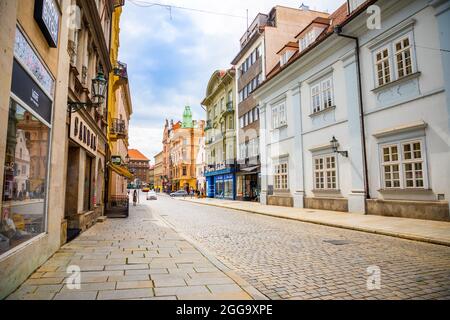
pixel 141 257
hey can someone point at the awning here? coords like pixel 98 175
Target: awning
pixel 121 171
pixel 250 169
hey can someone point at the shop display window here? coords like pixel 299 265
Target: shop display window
pixel 23 209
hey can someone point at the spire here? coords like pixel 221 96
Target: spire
pixel 187 118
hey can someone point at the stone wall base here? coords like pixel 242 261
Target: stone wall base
pixel 84 221
pixel 331 204
pixel 280 201
pixel 63 232
pixel 424 210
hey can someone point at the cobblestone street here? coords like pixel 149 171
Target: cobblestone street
pixel 287 259
pixel 171 249
pixel 136 258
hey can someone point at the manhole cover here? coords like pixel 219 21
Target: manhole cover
pixel 338 242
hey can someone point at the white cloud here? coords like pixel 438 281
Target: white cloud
pixel 193 45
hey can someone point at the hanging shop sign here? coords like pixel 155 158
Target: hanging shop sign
pixel 116 160
pixel 26 89
pixel 46 14
pixel 81 133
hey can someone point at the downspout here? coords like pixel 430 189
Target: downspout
pixel 338 31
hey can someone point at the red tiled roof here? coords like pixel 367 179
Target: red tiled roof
pixel 293 45
pixel 318 20
pixel 137 155
pixel 339 17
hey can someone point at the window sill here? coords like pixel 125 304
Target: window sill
pixel 280 127
pixel 403 191
pixel 336 193
pixel 322 111
pixel 396 82
pixel 281 192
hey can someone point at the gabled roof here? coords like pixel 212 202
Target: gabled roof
pixel 316 21
pixel 338 18
pixel 289 45
pixel 137 155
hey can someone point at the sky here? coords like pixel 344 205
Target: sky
pixel 171 55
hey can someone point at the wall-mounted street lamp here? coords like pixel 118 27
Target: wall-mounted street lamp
pixel 335 145
pixel 98 94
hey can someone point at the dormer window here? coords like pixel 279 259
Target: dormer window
pixel 310 34
pixel 287 52
pixel 307 40
pixel 354 4
pixel 286 57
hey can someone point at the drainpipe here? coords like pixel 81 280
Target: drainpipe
pixel 338 31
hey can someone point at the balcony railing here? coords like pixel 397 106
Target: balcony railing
pixel 118 128
pixel 229 109
pixel 208 125
pixel 121 70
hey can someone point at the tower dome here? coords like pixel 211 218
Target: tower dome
pixel 187 118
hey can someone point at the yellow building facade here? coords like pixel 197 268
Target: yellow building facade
pixel 119 114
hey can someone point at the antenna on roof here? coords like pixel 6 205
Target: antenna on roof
pixel 304 7
pixel 248 31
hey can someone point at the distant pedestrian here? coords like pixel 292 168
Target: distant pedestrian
pixel 135 196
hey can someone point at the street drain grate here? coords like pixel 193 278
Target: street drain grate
pixel 339 242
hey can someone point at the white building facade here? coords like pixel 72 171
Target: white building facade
pixel 393 160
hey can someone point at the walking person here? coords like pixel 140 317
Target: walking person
pixel 135 196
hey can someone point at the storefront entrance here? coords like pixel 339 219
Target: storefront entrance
pixel 248 187
pixel 222 187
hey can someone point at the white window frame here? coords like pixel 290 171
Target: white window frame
pixel 402 162
pixel 279 115
pixel 383 61
pixel 281 175
pixel 392 58
pixel 319 94
pixel 395 53
pixel 326 172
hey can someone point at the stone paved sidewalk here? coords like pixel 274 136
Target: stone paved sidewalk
pixel 136 258
pixel 435 232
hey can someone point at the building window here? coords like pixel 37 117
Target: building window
pixel 307 40
pixel 322 95
pixel 184 171
pixel 25 178
pixel 383 67
pixel 281 176
pixel 325 173
pixel 395 60
pixel 286 57
pixel 251 59
pixel 279 116
pixel 256 113
pixel 403 57
pixel 403 165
